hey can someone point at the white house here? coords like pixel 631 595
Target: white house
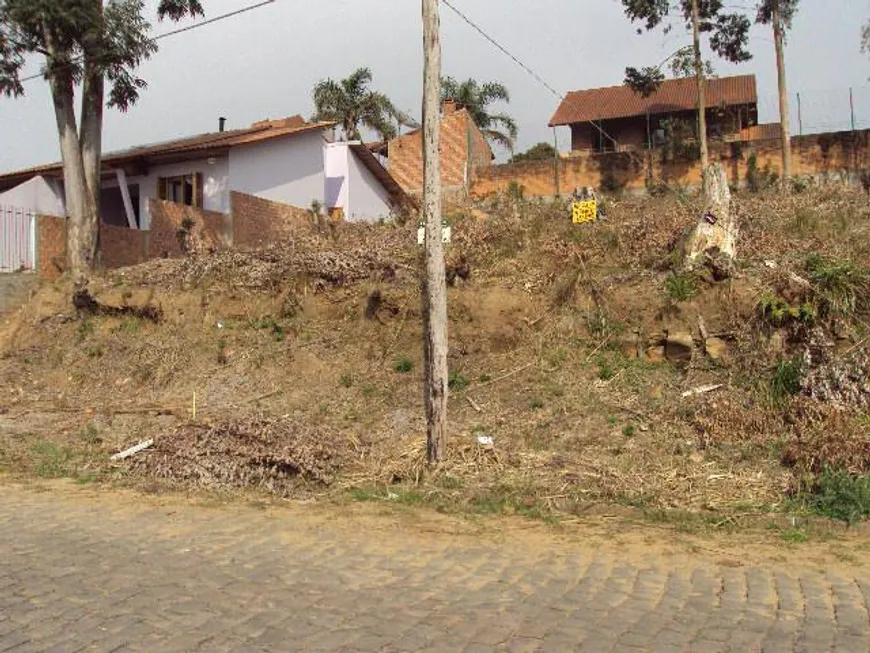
pixel 289 161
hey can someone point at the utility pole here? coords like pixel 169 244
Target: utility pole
pixel 785 127
pixel 702 87
pixel 434 283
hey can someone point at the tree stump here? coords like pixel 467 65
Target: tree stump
pixel 713 241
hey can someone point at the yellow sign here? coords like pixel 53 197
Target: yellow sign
pixel 584 211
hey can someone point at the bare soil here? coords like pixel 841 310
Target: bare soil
pixel 297 370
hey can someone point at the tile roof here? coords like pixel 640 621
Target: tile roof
pixel 673 95
pixel 184 148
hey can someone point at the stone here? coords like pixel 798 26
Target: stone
pixel 679 347
pixel 655 354
pixel 718 349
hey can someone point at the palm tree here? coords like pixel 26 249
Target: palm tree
pixel 351 103
pixel 498 128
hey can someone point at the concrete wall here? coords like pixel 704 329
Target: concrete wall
pixel 369 200
pixel 39 195
pixel 288 170
pixel 337 185
pixel 835 156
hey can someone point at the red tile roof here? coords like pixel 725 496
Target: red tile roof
pixel 199 146
pixel 673 95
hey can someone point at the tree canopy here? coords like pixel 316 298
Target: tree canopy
pixel 351 103
pixel 79 37
pixel 728 35
pixel 476 98
pixel 539 152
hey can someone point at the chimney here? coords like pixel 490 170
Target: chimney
pixel 222 123
pixel 448 107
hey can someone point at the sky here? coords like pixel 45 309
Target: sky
pixel 264 63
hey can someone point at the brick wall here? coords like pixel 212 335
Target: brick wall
pixel 209 231
pixel 50 246
pixel 406 153
pixel 120 246
pixel 257 222
pixel 841 155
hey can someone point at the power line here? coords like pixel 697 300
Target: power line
pixel 174 32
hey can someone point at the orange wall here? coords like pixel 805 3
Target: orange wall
pixel 406 154
pixel 838 154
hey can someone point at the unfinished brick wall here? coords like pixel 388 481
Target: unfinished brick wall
pixel 120 246
pixel 842 155
pixel 50 246
pixel 457 129
pixel 257 222
pixel 210 230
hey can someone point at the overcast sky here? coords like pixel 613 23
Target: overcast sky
pixel 264 64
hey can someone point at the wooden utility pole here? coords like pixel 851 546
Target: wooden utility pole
pixel 785 127
pixel 434 284
pixel 702 87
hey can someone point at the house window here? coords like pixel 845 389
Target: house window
pixel 182 189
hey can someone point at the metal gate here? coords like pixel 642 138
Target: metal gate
pixel 17 239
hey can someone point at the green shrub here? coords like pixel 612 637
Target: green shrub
pixel 840 495
pixel 786 379
pixel 777 312
pixel 516 190
pixel 841 285
pixel 403 365
pixel 457 381
pixel 681 287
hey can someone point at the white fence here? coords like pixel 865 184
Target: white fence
pixel 17 239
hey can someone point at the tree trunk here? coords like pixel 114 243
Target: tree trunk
pixel 713 242
pixel 702 86
pixel 91 143
pixel 785 126
pixel 81 241
pixel 434 284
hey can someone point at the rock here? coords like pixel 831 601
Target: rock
pixel 679 347
pixel 718 350
pixel 655 354
pixel 776 344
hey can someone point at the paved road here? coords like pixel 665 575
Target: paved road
pixel 126 574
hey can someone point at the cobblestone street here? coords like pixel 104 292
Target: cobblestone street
pixel 81 571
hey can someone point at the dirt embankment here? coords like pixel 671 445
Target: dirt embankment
pixel 575 349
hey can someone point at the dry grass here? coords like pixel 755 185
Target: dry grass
pixel 546 321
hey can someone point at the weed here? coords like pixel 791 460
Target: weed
pixel 272 325
pixel 95 352
pixel 84 329
pixel 758 179
pixel 786 379
pixel 128 326
pixel 346 380
pixel 457 382
pixel 51 460
pixel 629 430
pixel 222 351
pixel 842 285
pixel 837 494
pixel 605 370
pixel 90 435
pixel 794 535
pixel 536 403
pixel 557 357
pixel 516 190
pixel 777 312
pixel 681 287
pixel 365 494
pixel 403 365
pixel 484 378
pixel 368 390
